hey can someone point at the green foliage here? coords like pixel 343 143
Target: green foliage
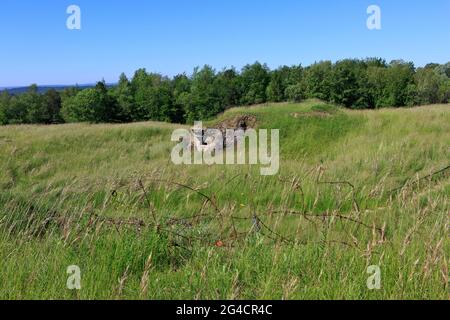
pixel 352 83
pixel 52 101
pixel 318 80
pixel 4 105
pixel 36 109
pixel 295 92
pixel 227 86
pixel 444 91
pixel 399 75
pixel 16 111
pixel 348 81
pixel 91 105
pixel 283 78
pixel 428 85
pixel 3 119
pixel 276 89
pixel 412 95
pixel 75 108
pixel 123 93
pixel 254 81
pixel 30 107
pixel 181 86
pixel 202 101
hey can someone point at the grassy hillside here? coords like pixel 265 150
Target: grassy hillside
pixel 355 188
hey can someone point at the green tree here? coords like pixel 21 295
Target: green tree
pixel 399 76
pixel 69 93
pixel 80 108
pixel 16 111
pixel 203 100
pixel 52 100
pixel 226 85
pixel 148 95
pixel 444 91
pixel 280 79
pixel 445 69
pixel 376 86
pixel 160 102
pixel 123 93
pixel 348 81
pixel 317 78
pixel 253 82
pixel 412 95
pixel 36 107
pixel 107 110
pixel 428 85
pixel 4 106
pixel 443 72
pixel 90 105
pixel 181 87
pixel 295 92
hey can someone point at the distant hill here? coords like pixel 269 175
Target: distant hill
pixel 44 89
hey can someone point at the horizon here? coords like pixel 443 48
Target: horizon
pixel 129 76
pixel 172 37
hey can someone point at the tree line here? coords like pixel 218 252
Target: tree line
pixel 353 83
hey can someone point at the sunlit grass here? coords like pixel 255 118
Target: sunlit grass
pixel 72 195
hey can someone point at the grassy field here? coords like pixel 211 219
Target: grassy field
pixel 355 189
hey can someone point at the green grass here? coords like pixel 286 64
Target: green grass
pixel 72 195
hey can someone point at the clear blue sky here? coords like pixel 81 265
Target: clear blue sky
pixel 174 36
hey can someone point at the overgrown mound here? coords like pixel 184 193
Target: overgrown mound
pixel 318 111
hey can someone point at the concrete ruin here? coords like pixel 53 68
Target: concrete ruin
pixel 225 134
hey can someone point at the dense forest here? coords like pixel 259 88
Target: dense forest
pixel 370 83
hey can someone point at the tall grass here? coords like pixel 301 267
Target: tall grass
pixel 349 195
